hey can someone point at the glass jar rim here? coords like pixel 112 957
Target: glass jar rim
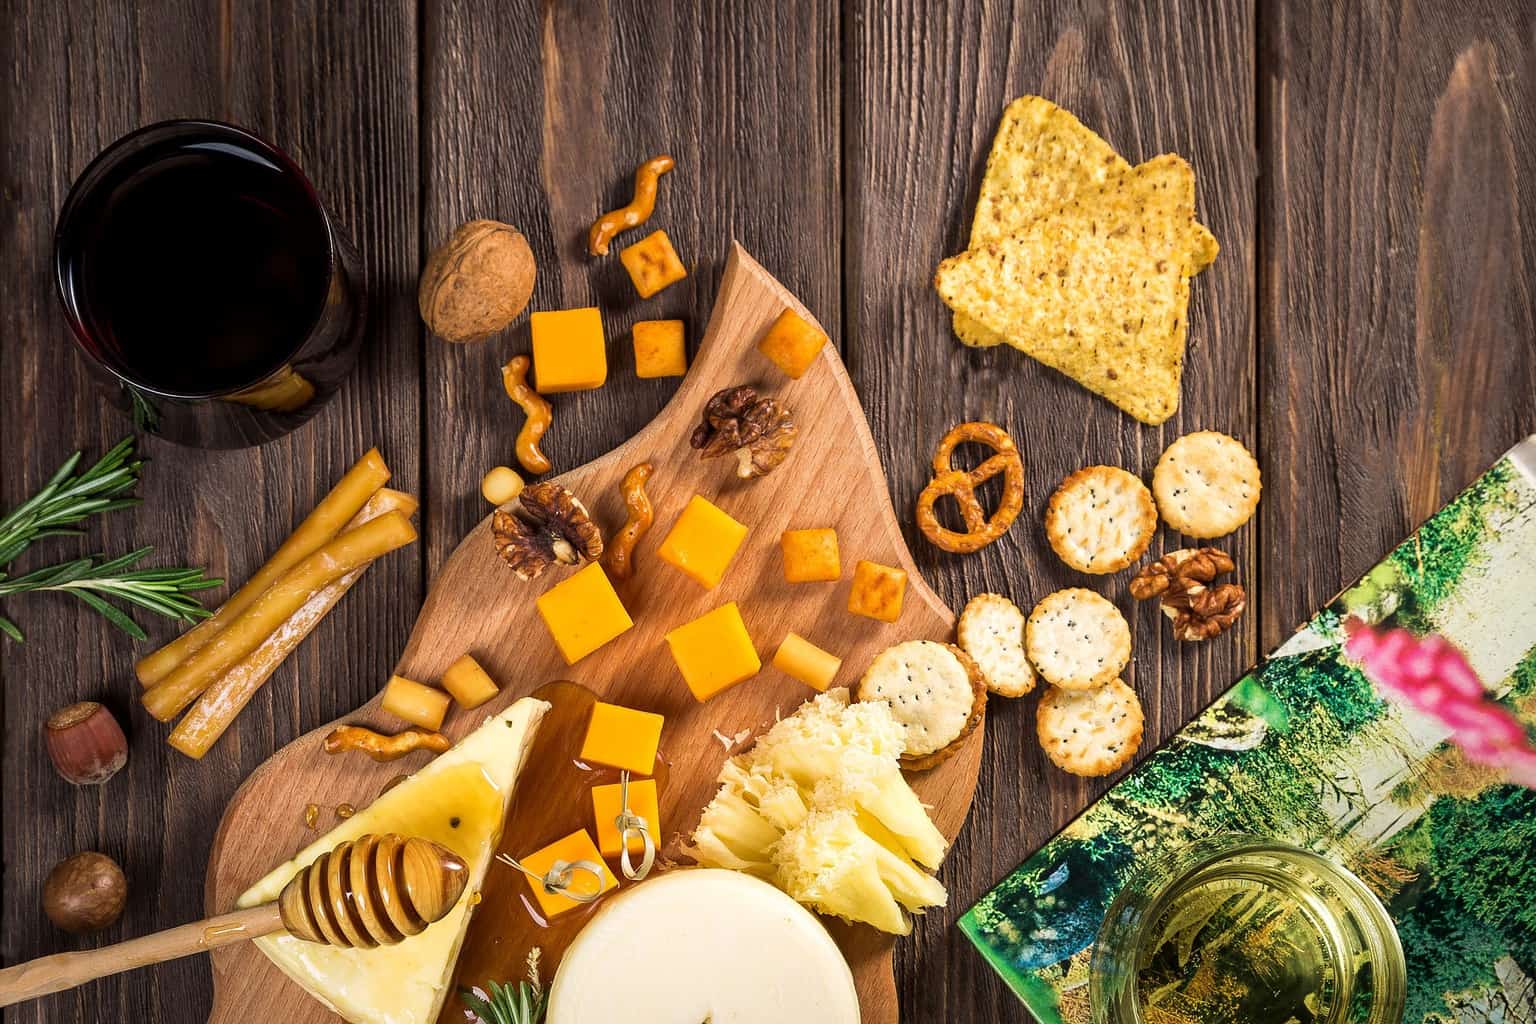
pixel 1137 908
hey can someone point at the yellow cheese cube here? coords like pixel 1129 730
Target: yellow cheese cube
pixel 621 737
pixel 583 612
pixel 702 542
pixel 652 264
pixel 642 802
pixel 470 685
pixel 574 847
pixel 661 349
pixel 792 343
pixel 714 652
pixel 877 591
pixel 810 556
pixel 569 353
pixel 803 660
pixel 415 702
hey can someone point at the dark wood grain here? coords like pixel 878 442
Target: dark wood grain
pixel 1368 329
pixel 538 114
pixel 339 93
pixel 923 94
pixel 1397 351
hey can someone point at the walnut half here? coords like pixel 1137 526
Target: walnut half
pixel 1184 580
pixel 551 527
pixel 1200 612
pixel 760 431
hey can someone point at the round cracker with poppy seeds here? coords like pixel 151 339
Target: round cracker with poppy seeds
pixel 1207 484
pixel 991 631
pixel 1077 640
pixel 935 690
pixel 1100 519
pixel 1090 732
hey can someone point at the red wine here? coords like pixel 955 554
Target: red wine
pixel 198 264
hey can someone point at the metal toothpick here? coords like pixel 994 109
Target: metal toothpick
pixel 628 822
pixel 557 880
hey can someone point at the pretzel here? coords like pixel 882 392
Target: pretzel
pixel 514 377
pixel 621 552
pixel 961 484
pixel 636 212
pixel 380 747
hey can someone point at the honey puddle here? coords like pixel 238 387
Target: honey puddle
pixel 553 799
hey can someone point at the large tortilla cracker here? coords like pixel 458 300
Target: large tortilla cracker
pixel 1043 157
pixel 1098 290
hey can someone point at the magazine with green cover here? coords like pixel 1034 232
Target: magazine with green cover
pixel 1303 749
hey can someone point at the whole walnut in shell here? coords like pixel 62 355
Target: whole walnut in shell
pixel 477 282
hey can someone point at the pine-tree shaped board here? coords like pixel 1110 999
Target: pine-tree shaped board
pixel 832 478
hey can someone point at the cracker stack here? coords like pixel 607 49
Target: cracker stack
pixel 1080 260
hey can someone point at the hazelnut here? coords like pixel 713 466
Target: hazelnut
pixel 475 283
pixel 85 743
pixel 85 893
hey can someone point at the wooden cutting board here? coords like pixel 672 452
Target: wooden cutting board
pixel 832 478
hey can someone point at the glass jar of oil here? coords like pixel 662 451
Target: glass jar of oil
pixel 1240 930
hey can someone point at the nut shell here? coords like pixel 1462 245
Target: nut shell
pixel 85 892
pixel 477 282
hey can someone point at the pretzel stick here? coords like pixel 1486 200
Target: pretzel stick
pixel 288 594
pixel 219 705
pixel 319 527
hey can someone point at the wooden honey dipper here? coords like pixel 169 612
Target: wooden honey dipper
pixel 375 890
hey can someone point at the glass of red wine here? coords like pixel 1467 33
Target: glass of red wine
pixel 206 286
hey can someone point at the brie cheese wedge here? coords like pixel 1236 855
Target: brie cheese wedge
pixel 703 944
pixel 459 800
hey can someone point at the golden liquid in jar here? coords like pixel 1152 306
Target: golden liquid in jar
pixel 1263 935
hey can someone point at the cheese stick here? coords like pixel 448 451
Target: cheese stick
pixel 288 594
pixel 343 502
pixel 220 704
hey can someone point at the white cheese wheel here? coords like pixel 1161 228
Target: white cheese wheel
pixel 702 944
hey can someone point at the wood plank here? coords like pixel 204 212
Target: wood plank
pixel 1397 335
pixel 337 90
pixel 538 114
pixel 923 91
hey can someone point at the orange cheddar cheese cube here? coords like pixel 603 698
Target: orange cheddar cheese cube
pixel 702 542
pixel 415 702
pixel 661 349
pixel 575 847
pixel 800 659
pixel 877 591
pixel 652 264
pixel 810 556
pixel 642 803
pixel 470 684
pixel 714 652
pixel 569 353
pixel 792 343
pixel 621 737
pixel 583 612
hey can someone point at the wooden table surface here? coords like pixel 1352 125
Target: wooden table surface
pixel 1369 167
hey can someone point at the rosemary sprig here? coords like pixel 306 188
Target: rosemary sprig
pixel 163 591
pixel 523 1003
pixel 67 499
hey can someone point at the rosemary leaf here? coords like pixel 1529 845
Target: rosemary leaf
pixel 67 499
pixel 166 591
